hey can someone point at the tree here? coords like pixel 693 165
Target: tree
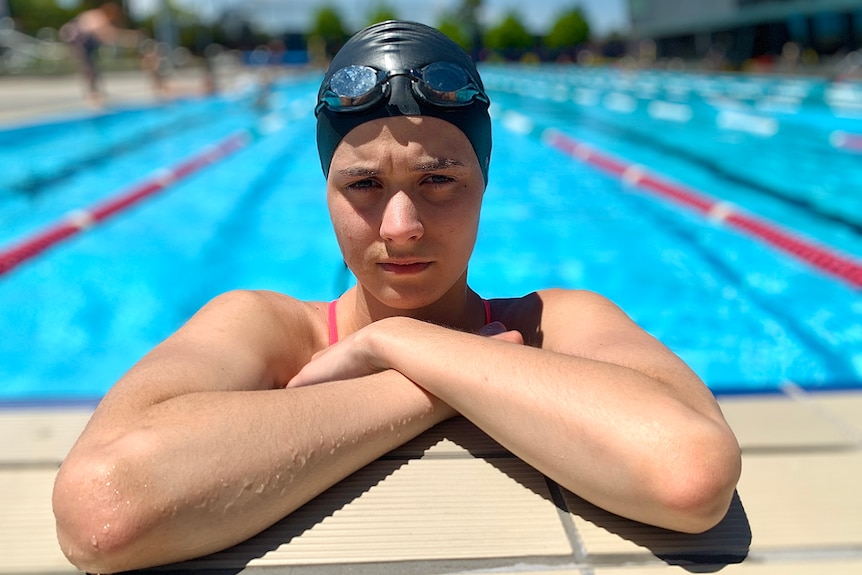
pixel 32 15
pixel 380 13
pixel 328 28
pixel 451 26
pixel 509 36
pixel 570 29
pixel 468 14
pixel 462 26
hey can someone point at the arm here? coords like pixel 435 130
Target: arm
pixel 602 408
pixel 98 24
pixel 195 449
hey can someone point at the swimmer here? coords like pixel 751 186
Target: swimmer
pixel 86 33
pixel 260 402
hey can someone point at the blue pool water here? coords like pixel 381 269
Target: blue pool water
pixel 745 315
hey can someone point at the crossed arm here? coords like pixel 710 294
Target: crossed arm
pixel 199 446
pixel 603 408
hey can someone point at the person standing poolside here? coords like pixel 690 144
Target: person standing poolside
pixel 261 402
pixel 86 33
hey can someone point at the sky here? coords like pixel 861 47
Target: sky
pixel 604 16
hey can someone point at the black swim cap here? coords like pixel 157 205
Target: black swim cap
pixel 400 45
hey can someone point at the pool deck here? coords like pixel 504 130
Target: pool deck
pixel 453 501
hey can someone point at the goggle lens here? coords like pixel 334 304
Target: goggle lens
pixel 356 88
pixel 353 82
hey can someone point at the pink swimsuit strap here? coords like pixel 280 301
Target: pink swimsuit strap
pixel 333 324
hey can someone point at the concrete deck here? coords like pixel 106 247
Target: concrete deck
pixel 453 501
pixel 28 99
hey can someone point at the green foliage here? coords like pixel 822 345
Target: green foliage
pixel 327 34
pixel 462 25
pixel 451 26
pixel 468 9
pixel 329 28
pixel 569 29
pixel 509 35
pixel 468 14
pixel 32 15
pixel 380 13
pixel 328 24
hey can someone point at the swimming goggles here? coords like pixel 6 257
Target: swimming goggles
pixel 357 88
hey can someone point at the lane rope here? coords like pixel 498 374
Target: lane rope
pixel 821 257
pixel 82 219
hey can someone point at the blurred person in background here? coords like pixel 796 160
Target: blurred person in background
pixel 87 32
pixel 155 62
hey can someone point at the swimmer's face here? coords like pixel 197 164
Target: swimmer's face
pixel 404 194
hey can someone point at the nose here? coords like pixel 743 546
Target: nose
pixel 400 223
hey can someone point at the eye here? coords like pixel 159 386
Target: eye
pixel 439 179
pixel 362 185
pixel 362 193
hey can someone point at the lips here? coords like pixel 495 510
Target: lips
pixel 405 267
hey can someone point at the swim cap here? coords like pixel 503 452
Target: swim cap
pixel 400 45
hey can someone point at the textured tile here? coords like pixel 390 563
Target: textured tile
pixel 39 436
pixel 846 407
pixel 28 540
pixel 825 567
pixel 420 510
pixel 609 539
pixel 454 437
pixel 781 423
pixel 803 502
pixel 785 503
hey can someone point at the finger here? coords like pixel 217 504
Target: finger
pixel 512 336
pixel 493 328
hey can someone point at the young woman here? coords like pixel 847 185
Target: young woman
pixel 260 402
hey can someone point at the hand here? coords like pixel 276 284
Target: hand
pixel 348 359
pixel 352 357
pixel 497 330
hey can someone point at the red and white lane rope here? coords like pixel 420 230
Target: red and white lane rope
pixel 846 141
pixel 82 219
pixel 821 257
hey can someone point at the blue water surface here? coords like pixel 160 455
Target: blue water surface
pixel 743 314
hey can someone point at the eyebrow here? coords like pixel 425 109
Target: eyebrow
pixel 439 164
pixel 430 166
pixel 356 171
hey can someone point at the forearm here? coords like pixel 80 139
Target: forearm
pixel 623 440
pixel 203 471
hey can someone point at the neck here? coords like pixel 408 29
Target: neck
pixel 460 308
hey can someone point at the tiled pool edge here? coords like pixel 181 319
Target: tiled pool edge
pixel 830 447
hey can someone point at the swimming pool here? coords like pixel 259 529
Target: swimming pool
pixel 745 314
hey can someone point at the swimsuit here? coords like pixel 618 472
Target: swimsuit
pixel 333 326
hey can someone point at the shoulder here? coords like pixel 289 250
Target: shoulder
pixel 265 300
pixel 266 313
pixel 269 331
pixel 552 302
pixel 552 318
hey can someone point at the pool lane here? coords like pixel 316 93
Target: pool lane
pixel 743 315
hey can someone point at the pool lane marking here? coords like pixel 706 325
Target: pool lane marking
pixel 33 183
pixel 846 141
pixel 820 257
pixel 82 219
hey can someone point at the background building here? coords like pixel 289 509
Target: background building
pixel 742 30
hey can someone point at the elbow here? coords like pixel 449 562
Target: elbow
pixel 97 528
pixel 698 494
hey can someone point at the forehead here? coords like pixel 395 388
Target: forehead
pixel 433 136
